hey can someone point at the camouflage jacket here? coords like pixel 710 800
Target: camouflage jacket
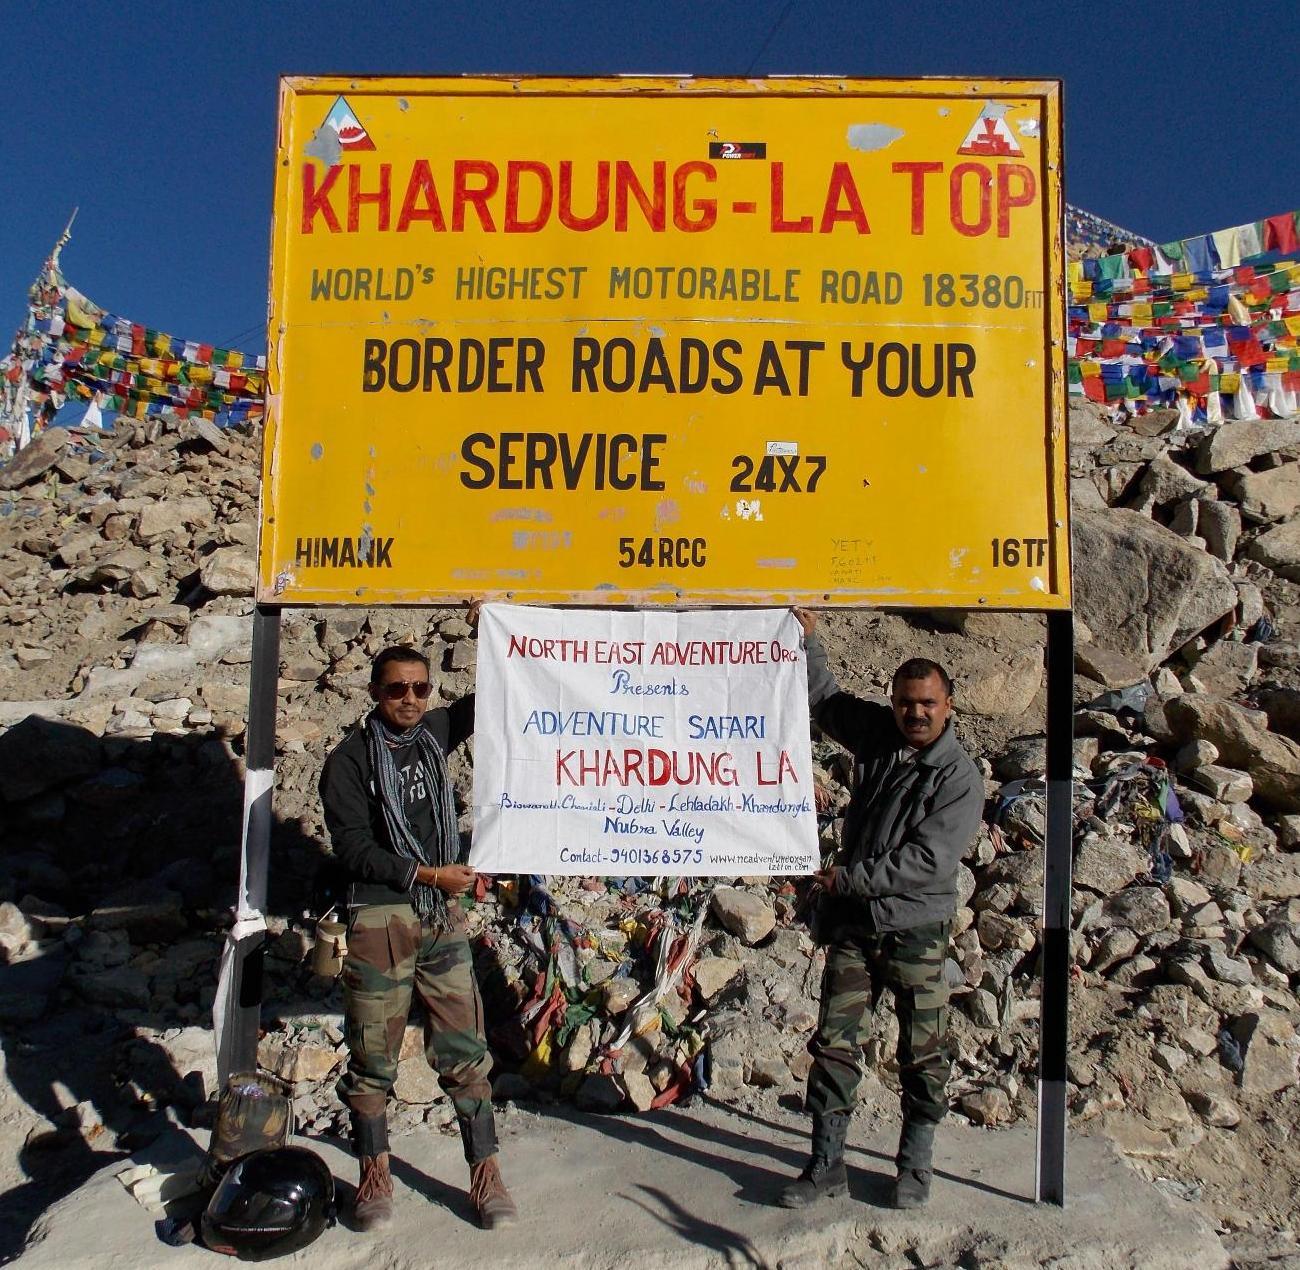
pixel 907 824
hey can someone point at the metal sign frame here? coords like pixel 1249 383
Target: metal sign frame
pixel 246 941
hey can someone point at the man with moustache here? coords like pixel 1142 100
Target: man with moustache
pixel 885 911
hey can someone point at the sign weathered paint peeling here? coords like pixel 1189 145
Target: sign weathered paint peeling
pixel 656 340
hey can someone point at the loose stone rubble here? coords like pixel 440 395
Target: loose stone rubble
pixel 126 574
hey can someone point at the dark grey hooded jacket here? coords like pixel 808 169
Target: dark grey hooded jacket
pixel 908 824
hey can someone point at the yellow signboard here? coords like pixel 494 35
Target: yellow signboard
pixel 639 341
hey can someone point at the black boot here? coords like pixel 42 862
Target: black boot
pixel 478 1133
pixel 915 1164
pixel 824 1173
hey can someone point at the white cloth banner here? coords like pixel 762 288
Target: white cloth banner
pixel 652 743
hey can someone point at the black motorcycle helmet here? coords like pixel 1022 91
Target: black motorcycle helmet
pixel 270 1203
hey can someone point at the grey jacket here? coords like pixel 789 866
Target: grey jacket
pixel 907 824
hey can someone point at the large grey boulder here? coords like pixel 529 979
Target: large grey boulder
pixel 163 659
pixel 1165 481
pixel 1000 685
pixel 748 916
pixel 1279 548
pixel 1227 667
pixel 1282 705
pixel 39 754
pixel 1220 525
pixel 27 986
pixel 1273 877
pixel 1020 874
pixel 1090 426
pixel 712 974
pixel 1268 1039
pixel 149 913
pixel 1271 495
pixel 1141 909
pixel 79 546
pixel 172 516
pixel 1143 590
pixel 1234 444
pixel 229 571
pixel 34 459
pixel 1107 865
pixel 1083 493
pixel 212 634
pixel 1107 667
pixel 111 569
pixel 1243 743
pixel 1280 942
pixel 121 987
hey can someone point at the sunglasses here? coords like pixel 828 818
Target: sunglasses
pixel 396 691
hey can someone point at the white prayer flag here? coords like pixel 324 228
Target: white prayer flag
pixel 617 744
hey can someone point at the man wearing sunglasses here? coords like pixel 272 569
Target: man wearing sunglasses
pixel 390 810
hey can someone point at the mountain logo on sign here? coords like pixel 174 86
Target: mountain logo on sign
pixel 347 127
pixel 990 135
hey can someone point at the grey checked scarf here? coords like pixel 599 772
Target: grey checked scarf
pixel 430 904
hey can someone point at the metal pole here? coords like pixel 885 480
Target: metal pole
pixel 1053 1041
pixel 238 1007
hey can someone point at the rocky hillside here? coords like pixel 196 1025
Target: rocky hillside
pixel 125 576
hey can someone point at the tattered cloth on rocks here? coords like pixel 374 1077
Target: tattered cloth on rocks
pixel 576 1021
pixel 1140 791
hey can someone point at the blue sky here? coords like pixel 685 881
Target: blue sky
pixel 159 122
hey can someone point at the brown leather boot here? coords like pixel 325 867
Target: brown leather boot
pixel 488 1194
pixel 374 1203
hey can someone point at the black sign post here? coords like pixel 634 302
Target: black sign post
pixel 1053 1038
pixel 239 1006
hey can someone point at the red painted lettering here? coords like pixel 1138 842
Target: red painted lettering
pixel 918 172
pixel 380 197
pixel 706 208
pixel 956 199
pixel 317 198
pixel 1022 197
pixel 514 223
pixel 779 223
pixel 421 201
pixel 625 182
pixel 567 216
pixel 463 193
pixel 842 186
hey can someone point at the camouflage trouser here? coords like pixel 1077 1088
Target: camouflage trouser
pixel 391 954
pixel 858 967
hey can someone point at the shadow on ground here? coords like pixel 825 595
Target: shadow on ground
pixel 115 837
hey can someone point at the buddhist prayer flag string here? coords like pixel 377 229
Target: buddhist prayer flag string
pixel 71 349
pixel 1083 229
pixel 1208 325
